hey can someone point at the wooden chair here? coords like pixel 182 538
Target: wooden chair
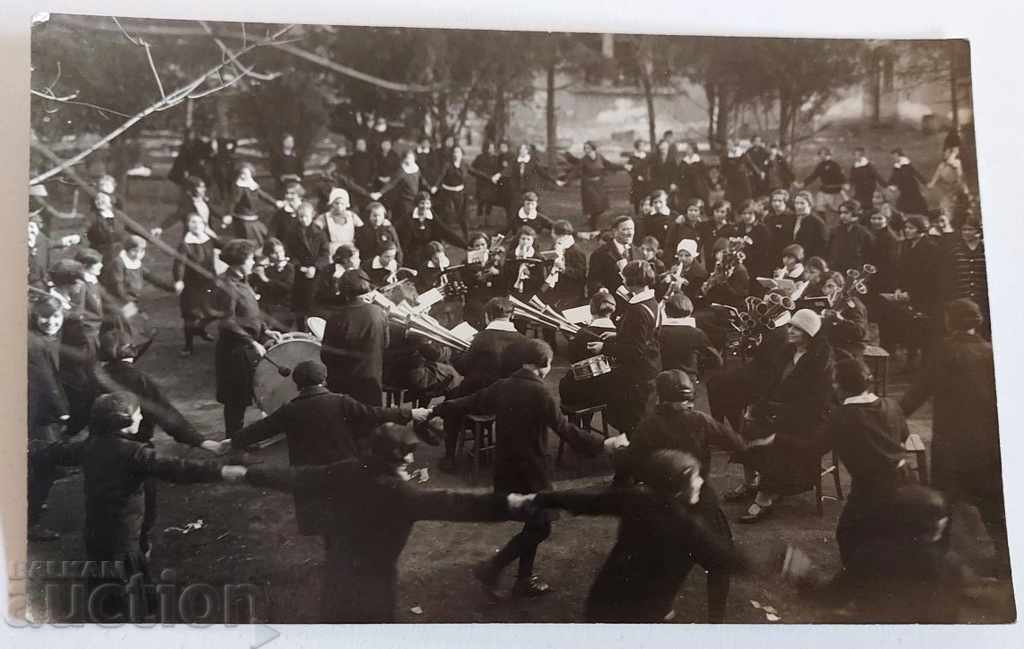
pixel 478 429
pixel 914 447
pixel 819 497
pixel 393 397
pixel 877 360
pixel 579 418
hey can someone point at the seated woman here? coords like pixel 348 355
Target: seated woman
pixel 523 273
pixel 846 320
pixel 585 393
pixel 787 423
pixel 418 365
pixel 481 275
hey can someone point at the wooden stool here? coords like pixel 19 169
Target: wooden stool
pixel 915 447
pixel 819 498
pixel 877 359
pixel 393 397
pixel 479 429
pixel 579 419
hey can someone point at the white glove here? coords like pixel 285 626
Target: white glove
pixel 179 286
pixel 233 473
pixel 618 442
pixel 421 414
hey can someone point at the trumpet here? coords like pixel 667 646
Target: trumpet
pixel 856 284
pixel 539 313
pixel 418 323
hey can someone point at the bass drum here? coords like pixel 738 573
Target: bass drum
pixel 272 383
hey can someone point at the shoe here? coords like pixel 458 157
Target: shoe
pixel 39 533
pixel 447 465
pixel 742 492
pixel 484 573
pixel 426 433
pixel 756 513
pixel 533 586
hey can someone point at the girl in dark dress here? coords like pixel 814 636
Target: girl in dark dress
pixel 523 174
pixel 419 229
pixel 307 247
pixel 195 201
pixel 123 278
pixel 243 218
pixel 402 189
pixel 639 168
pixel 486 165
pixel 243 333
pixel 194 286
pixel 591 170
pixel 450 189
pixel 908 181
pixel 286 163
pixel 274 279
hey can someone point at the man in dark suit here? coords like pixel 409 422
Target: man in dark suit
pixel 354 341
pixel 607 262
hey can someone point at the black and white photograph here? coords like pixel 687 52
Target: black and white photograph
pixel 334 324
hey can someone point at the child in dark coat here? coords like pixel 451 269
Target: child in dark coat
pixel 367 532
pixel 524 411
pixel 686 347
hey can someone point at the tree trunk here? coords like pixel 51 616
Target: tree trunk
pixel 711 93
pixel 953 99
pixel 551 117
pixel 498 116
pixel 722 122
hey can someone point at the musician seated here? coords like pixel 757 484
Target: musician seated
pixel 792 264
pixel 564 287
pixel 585 393
pixel 481 275
pixel 817 272
pixel 523 273
pixel 485 362
pixel 527 216
pixel 431 274
pixel 686 347
pixel 846 320
pixel 383 267
pixel 650 251
pixel 377 234
pixel 688 274
pixel 329 290
pixel 418 365
pixel 786 424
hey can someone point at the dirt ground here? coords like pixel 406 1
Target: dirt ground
pixel 249 535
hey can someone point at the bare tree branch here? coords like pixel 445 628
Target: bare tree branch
pixel 231 55
pixel 352 72
pixel 152 66
pixel 164 103
pixel 70 99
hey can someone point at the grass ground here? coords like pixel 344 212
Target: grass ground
pixel 249 535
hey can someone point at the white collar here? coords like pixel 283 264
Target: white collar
pixel 500 325
pixel 376 265
pixel 410 169
pixel 620 247
pixel 107 214
pixel 667 212
pixel 196 238
pixel 642 296
pixel 427 216
pixel 90 278
pixel 527 216
pixel 678 322
pixel 640 155
pixel 797 271
pixel 444 263
pixel 603 323
pixel 249 185
pixel 692 158
pixel 867 397
pixel 523 161
pixel 902 161
pixel 861 162
pixel 524 253
pixel 130 264
pixel 288 208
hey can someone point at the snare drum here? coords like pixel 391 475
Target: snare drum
pixel 270 388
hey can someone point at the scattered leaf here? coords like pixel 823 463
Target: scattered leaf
pixel 416 610
pixel 772 618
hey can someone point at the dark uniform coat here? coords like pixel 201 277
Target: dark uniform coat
pixel 353 351
pixel 241 323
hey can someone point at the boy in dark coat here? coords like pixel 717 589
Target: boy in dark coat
pixel 308 248
pixel 634 348
pixel 115 465
pixel 48 409
pixel 960 379
pixel 486 361
pixel 368 513
pixel 686 347
pixel 850 244
pixel 668 522
pixel 867 433
pixel 642 559
pixel 322 427
pixel 525 411
pixel 354 342
pixel 377 233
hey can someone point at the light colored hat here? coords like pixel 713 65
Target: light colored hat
pixel 689 245
pixel 806 321
pixel 337 193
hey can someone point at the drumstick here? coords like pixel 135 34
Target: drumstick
pixel 283 371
